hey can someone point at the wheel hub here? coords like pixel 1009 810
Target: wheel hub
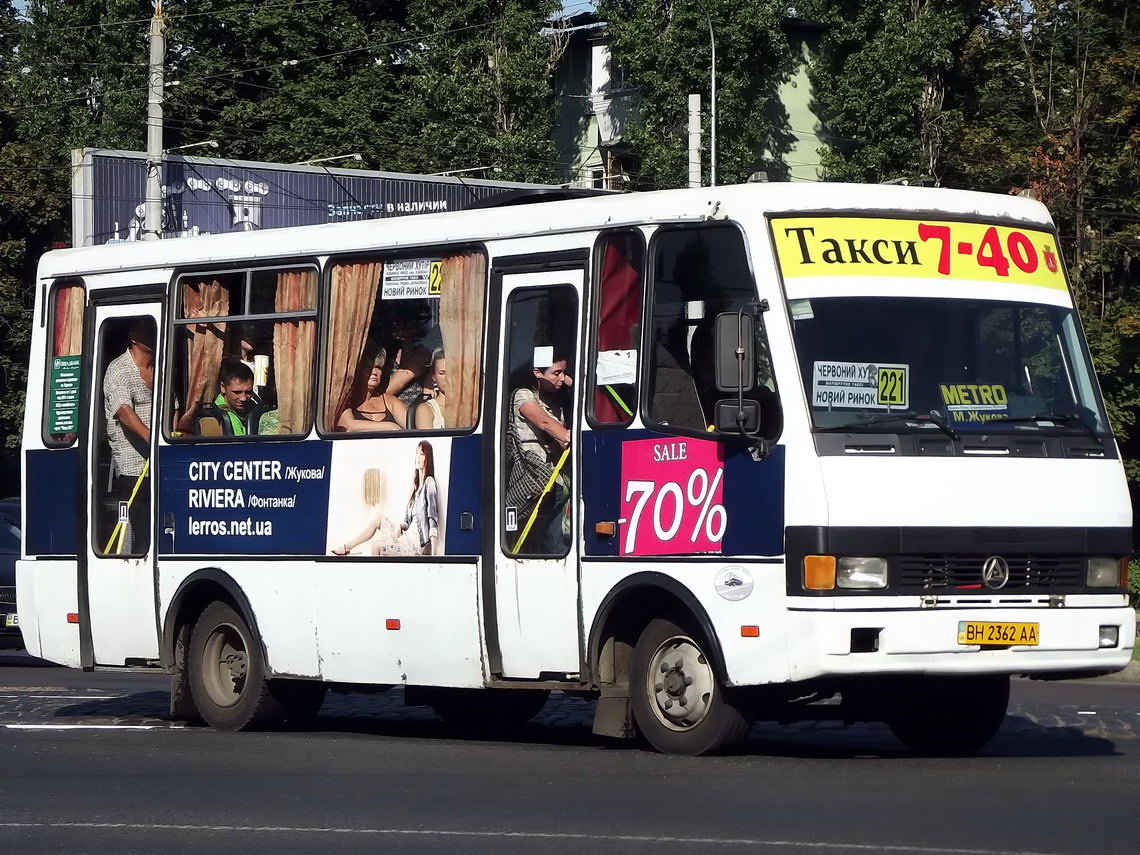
pixel 681 683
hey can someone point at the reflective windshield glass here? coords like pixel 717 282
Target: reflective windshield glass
pixel 967 364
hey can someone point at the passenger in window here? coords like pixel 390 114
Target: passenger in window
pixel 381 409
pixel 537 436
pixel 128 386
pixel 429 413
pixel 229 413
pixel 408 380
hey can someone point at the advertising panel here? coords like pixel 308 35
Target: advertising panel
pixel 203 195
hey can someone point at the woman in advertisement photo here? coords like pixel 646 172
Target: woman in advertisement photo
pixel 418 532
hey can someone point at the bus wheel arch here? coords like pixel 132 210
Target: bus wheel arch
pixel 624 615
pixel 194 595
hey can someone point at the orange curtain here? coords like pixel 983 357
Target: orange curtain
pixel 461 323
pixel 67 336
pixel 352 300
pixel 204 298
pixel 294 350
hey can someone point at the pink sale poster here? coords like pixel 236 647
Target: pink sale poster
pixel 671 496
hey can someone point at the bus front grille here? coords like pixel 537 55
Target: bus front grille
pixel 1027 573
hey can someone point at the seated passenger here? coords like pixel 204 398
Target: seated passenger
pixel 381 409
pixel 429 413
pixel 228 413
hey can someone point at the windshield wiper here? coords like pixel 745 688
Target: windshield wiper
pixel 934 417
pixel 1063 418
pixel 880 418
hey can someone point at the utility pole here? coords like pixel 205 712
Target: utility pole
pixel 152 210
pixel 695 139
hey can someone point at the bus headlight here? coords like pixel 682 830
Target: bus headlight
pixel 1102 572
pixel 861 573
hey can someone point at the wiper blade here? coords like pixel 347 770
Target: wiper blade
pixel 940 420
pixel 1063 418
pixel 881 418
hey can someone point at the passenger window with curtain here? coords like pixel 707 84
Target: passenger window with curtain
pixel 65 354
pixel 699 273
pixel 405 343
pixel 245 343
pixel 617 332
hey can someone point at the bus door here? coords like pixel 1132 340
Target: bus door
pixel 536 560
pixel 117 579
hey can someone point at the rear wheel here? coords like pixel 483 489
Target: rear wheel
pixel 227 673
pixel 678 704
pixel 488 709
pixel 952 716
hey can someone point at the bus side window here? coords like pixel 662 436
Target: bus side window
pixel 617 334
pixel 244 348
pixel 698 273
pixel 405 344
pixel 65 352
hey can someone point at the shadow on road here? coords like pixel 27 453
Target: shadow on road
pixel 566 722
pixel 20 659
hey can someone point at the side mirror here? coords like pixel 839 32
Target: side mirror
pixel 735 352
pixel 733 417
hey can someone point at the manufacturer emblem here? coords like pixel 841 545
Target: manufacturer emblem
pixel 733 583
pixel 995 572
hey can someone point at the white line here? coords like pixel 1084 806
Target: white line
pixel 63 697
pixel 86 727
pixel 528 835
pixel 1086 712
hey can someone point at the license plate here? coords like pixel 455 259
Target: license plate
pixel 989 634
pixel 11 620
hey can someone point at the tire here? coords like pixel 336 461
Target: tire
pixel 678 704
pixel 227 673
pixel 496 710
pixel 953 716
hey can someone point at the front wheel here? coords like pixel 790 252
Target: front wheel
pixel 227 673
pixel 953 716
pixel 678 704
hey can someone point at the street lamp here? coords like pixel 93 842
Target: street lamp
pixel 210 143
pixel 353 156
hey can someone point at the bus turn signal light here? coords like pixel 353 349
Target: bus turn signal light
pixel 819 572
pixel 392 623
pixel 750 632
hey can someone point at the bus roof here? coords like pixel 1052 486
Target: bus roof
pixel 590 214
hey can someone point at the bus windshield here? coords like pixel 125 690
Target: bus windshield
pixel 966 365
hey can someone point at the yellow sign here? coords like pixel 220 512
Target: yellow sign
pixel 924 249
pixel 435 278
pixel 975 402
pixel 892 387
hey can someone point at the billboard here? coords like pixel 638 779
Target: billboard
pixel 206 195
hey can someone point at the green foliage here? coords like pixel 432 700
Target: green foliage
pixel 667 52
pixel 1134 583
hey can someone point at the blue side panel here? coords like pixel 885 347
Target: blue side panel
pixel 50 491
pixel 753 494
pixel 465 495
pixel 754 499
pixel 237 499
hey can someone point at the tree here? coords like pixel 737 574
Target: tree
pixel 666 51
pixel 885 83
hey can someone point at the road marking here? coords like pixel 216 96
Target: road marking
pixel 87 727
pixel 63 697
pixel 1086 712
pixel 528 835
